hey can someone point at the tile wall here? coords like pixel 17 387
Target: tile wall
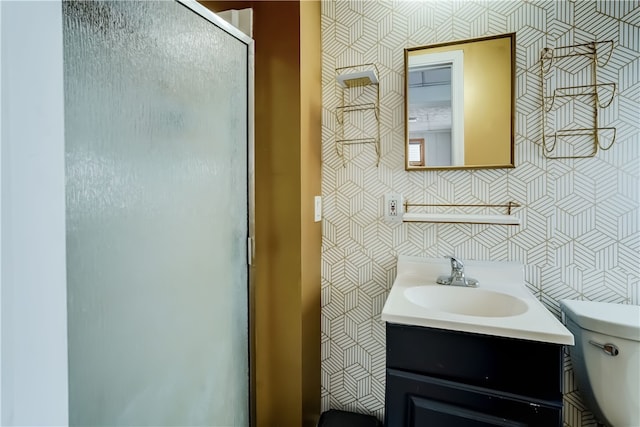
pixel 580 232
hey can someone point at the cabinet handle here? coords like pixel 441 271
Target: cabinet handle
pixel 608 348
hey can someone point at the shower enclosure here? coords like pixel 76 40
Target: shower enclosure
pixel 156 129
pixel 158 210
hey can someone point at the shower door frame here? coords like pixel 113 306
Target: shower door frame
pixel 249 42
pixel 214 19
pixel 33 314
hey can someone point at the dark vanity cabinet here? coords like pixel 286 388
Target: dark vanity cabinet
pixel 442 378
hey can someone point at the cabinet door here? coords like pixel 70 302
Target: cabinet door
pixel 418 400
pixel 513 366
pixel 430 412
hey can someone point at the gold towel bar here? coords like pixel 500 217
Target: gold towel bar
pixel 509 206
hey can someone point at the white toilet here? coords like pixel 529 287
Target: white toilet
pixel 606 358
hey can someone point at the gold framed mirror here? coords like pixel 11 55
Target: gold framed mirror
pixel 460 104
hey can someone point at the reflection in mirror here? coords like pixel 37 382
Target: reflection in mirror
pixel 432 107
pixel 416 151
pixel 445 82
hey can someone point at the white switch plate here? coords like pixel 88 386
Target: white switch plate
pixel 317 209
pixel 393 208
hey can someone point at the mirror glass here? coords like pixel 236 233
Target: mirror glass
pixel 459 104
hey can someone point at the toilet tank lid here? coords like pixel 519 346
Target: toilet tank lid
pixel 616 320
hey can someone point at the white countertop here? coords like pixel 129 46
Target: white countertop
pixel 536 323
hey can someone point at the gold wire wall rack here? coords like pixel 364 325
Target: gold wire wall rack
pixel 594 94
pixel 354 80
pixel 467 218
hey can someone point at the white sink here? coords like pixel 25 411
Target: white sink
pixel 466 301
pixel 501 305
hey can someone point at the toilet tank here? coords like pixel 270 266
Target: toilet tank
pixel 616 320
pixel 609 384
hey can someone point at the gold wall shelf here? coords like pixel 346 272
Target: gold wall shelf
pixel 353 82
pixel 462 218
pixel 576 141
pixel 599 91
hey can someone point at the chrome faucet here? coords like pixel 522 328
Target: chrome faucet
pixel 457 277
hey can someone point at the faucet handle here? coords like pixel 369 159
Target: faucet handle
pixel 456 264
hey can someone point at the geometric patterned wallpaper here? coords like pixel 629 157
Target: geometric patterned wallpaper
pixel 580 231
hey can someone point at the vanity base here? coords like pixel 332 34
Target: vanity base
pixel 442 378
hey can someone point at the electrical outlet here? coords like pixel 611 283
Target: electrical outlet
pixel 393 209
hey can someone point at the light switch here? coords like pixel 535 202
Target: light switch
pixel 317 210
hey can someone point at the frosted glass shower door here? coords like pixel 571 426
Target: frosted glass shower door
pixel 156 128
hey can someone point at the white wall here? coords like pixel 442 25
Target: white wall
pixel 581 218
pixel 1 204
pixel 33 279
